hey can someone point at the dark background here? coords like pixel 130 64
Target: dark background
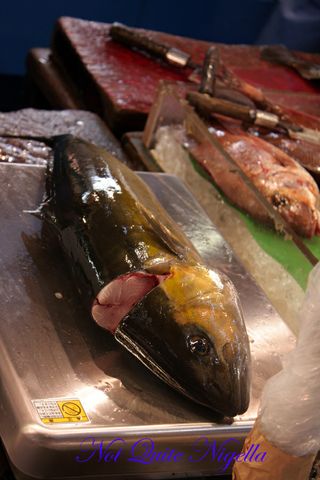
pixel 28 23
pixel 296 23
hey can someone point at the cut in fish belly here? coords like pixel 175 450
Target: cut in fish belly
pixel 118 297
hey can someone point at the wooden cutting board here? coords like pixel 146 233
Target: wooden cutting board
pixel 120 85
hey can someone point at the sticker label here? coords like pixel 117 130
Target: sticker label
pixel 60 411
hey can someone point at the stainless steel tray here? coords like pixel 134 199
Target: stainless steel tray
pixel 52 351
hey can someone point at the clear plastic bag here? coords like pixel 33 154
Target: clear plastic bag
pixel 290 406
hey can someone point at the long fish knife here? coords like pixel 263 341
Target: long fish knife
pixel 172 56
pixel 194 123
pixel 283 56
pixel 210 105
pixel 131 38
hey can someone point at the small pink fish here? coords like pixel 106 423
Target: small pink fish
pixel 285 183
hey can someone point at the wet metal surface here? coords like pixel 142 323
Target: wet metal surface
pixel 30 122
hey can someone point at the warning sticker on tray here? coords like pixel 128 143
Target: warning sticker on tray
pixel 60 411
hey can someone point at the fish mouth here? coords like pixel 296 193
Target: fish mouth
pixel 239 366
pixel 228 393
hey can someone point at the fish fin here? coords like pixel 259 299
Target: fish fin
pixel 36 213
pixel 167 237
pixel 39 212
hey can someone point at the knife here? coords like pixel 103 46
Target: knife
pixel 131 38
pixel 210 105
pixel 175 57
pixel 209 73
pixel 283 56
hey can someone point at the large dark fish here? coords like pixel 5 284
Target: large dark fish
pixel 144 280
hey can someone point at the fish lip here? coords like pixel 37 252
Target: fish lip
pixel 231 405
pixel 240 381
pixel 240 399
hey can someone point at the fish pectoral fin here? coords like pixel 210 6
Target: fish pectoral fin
pixel 36 213
pixel 167 237
pixel 39 212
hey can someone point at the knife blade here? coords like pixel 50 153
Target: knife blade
pixel 210 105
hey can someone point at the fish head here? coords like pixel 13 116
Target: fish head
pixel 299 210
pixel 189 331
pixel 295 195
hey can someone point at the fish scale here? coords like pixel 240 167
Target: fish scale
pixel 104 195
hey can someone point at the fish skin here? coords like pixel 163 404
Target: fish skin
pixel 95 205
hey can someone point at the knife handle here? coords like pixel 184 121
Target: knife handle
pixel 211 105
pixel 132 39
pixel 282 55
pixel 208 76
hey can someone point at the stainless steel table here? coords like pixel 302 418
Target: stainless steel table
pixel 65 382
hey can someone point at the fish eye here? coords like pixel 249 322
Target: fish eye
pixel 279 200
pixel 199 345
